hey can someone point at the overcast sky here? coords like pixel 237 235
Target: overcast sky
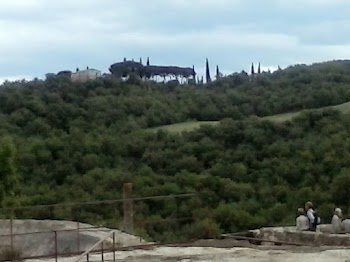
pixel 40 36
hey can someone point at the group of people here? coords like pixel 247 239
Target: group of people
pixel 308 220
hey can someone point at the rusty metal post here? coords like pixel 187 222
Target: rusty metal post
pixel 114 246
pixel 102 252
pixel 78 236
pixel 128 209
pixel 11 233
pixel 56 246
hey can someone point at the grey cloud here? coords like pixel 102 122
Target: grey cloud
pixel 327 32
pixel 38 36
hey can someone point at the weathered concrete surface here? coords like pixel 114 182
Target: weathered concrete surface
pixel 323 236
pixel 206 254
pixel 42 241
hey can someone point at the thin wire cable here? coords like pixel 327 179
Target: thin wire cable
pixel 96 202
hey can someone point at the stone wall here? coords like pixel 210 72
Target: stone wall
pixel 323 236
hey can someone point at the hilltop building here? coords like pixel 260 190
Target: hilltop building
pixel 65 73
pixel 78 76
pixel 85 75
pixel 173 75
pixel 127 68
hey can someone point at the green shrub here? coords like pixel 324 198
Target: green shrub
pixel 206 228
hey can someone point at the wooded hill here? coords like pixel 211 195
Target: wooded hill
pixel 65 142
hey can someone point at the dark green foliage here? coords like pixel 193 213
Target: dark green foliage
pixel 79 142
pixel 8 175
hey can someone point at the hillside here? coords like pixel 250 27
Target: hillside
pixel 69 142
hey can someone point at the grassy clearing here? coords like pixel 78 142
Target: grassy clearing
pixel 189 126
pixel 185 126
pixel 344 108
pixel 281 117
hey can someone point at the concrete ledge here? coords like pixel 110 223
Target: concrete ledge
pixel 323 236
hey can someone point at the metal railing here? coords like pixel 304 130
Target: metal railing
pixel 99 202
pixel 15 232
pixel 102 250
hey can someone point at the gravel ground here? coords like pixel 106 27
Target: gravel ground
pixel 206 254
pixel 223 250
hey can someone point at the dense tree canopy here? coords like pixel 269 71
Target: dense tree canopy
pixel 81 141
pixel 8 176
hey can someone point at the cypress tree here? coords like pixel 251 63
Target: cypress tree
pixel 194 74
pixel 259 69
pixel 217 72
pixel 252 70
pixel 140 60
pixel 207 72
pixel 147 61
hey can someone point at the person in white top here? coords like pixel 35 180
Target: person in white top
pixel 346 225
pixel 314 220
pixel 337 225
pixel 302 222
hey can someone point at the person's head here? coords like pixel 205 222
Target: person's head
pixel 301 211
pixel 308 205
pixel 338 212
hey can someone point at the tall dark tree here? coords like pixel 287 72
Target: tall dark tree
pixel 148 61
pixel 194 74
pixel 140 60
pixel 217 72
pixel 207 72
pixel 259 70
pixel 124 59
pixel 252 69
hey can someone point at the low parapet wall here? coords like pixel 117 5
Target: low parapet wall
pixel 323 236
